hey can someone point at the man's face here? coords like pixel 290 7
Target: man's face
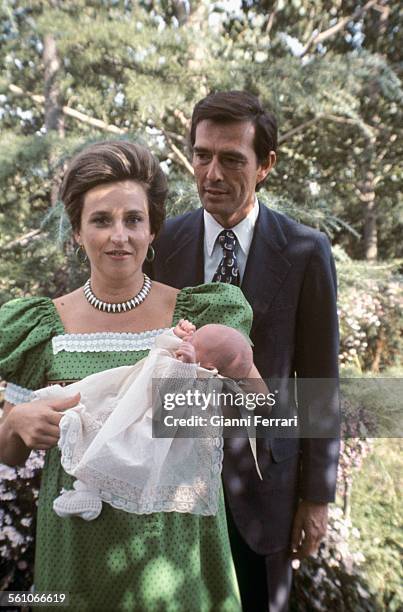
pixel 226 169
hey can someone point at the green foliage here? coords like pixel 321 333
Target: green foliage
pixel 376 510
pixel 333 580
pixel 358 567
pixel 140 67
pixel 182 197
pixel 370 315
pixel 19 488
pixel 125 61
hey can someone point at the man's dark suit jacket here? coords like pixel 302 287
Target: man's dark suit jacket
pixel 290 282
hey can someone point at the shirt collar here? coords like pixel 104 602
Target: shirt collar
pixel 243 230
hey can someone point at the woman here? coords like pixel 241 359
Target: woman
pixel 114 194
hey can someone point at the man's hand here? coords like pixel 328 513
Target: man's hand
pixel 309 528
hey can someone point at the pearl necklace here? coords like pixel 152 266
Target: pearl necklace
pixel 119 306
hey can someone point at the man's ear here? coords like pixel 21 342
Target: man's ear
pixel 266 167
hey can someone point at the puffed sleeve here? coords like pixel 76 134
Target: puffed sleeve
pixel 26 327
pixel 215 303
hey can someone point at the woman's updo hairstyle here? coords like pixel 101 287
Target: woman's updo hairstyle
pixel 110 162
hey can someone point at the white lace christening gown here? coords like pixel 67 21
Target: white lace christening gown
pixel 106 441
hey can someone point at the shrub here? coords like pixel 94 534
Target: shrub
pixel 19 489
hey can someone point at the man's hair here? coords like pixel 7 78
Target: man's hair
pixel 229 106
pixel 111 162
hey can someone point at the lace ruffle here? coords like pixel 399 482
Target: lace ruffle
pixel 16 394
pixel 105 341
pixel 201 498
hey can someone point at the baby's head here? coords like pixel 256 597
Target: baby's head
pixel 221 347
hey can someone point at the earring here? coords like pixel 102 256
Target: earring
pixel 150 254
pixel 81 255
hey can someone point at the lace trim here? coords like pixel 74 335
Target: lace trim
pixel 201 498
pixel 105 341
pixel 16 394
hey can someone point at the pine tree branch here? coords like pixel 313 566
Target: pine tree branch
pixel 178 153
pixel 70 112
pixel 132 65
pixel 340 119
pixel 326 116
pixel 308 34
pixel 382 153
pixel 271 17
pixel 185 122
pixel 299 128
pixel 181 158
pixel 337 27
pixel 177 137
pixel 107 127
pixel 22 240
pixel 98 123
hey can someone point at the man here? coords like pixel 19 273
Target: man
pixel 286 272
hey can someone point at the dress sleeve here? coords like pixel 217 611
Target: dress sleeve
pixel 215 303
pixel 26 326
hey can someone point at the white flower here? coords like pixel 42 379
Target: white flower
pixel 260 57
pixel 15 538
pixel 7 473
pixel 359 557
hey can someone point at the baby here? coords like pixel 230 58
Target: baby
pixel 107 442
pixel 216 347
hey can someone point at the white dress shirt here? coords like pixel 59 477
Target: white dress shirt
pixel 212 249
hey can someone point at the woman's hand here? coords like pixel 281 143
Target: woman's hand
pixel 37 422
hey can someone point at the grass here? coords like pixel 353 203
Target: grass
pixel 376 504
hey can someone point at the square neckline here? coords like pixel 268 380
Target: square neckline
pixel 113 333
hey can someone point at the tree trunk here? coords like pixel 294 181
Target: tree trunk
pixel 198 50
pixel 347 497
pixel 367 188
pixel 379 348
pixel 181 10
pixel 53 110
pixel 54 119
pixel 367 197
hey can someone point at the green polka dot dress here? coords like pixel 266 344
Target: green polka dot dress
pixel 160 562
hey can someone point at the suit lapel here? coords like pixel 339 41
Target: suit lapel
pixel 184 265
pixel 266 267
